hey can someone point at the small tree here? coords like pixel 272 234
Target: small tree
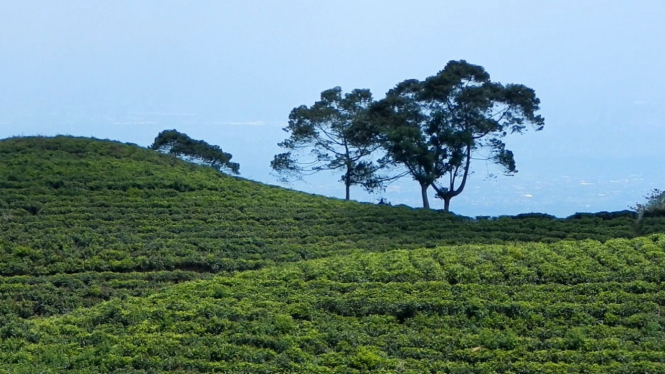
pixel 434 127
pixel 333 134
pixel 181 145
pixel 655 200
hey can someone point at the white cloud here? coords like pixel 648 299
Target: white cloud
pixel 136 123
pixel 394 188
pixel 243 123
pixel 167 114
pixel 248 123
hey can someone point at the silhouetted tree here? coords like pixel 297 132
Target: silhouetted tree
pixel 333 134
pixel 434 127
pixel 181 145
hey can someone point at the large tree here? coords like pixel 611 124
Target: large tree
pixel 435 127
pixel 181 145
pixel 333 134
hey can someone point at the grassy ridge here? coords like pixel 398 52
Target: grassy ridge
pixel 567 307
pixel 85 220
pixel 114 258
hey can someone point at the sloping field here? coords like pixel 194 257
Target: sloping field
pixel 75 205
pixel 83 220
pixel 96 237
pixel 567 307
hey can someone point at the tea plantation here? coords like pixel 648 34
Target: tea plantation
pixel 118 259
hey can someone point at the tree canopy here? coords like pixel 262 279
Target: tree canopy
pixel 433 128
pixel 181 145
pixel 333 134
pixel 655 201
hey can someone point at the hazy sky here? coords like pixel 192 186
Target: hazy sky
pixel 231 71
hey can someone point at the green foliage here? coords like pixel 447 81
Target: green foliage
pixel 434 127
pixel 533 308
pixel 118 220
pixel 181 145
pixel 332 134
pixel 654 205
pixel 115 258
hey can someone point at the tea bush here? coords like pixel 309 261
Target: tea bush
pixel 567 307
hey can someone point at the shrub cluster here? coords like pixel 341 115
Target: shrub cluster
pixel 567 307
pixel 96 237
pixel 75 208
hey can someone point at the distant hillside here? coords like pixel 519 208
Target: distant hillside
pixel 567 307
pixel 95 235
pixel 85 220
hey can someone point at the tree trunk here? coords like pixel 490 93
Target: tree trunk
pixel 446 204
pixel 423 188
pixel 347 179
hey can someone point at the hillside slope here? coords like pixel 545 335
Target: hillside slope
pixel 567 307
pixel 85 220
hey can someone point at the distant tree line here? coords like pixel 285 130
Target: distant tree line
pixel 429 130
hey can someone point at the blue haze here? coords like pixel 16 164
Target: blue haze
pixel 231 71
